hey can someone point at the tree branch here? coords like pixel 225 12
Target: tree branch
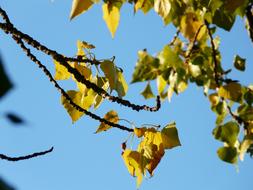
pixel 8 28
pixel 15 159
pixel 61 90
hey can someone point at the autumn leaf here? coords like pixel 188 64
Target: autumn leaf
pixel 79 7
pixel 61 72
pixel 110 71
pixel 135 163
pixel 111 116
pixel 170 137
pixel 162 7
pixel 111 15
pixel 139 132
pixel 78 98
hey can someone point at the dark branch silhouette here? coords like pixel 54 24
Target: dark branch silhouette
pixel 9 28
pixel 15 159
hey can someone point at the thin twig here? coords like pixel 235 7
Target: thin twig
pixel 15 159
pixel 214 54
pixel 174 38
pixel 189 53
pixel 61 90
pixel 9 28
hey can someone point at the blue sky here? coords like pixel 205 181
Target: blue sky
pixel 82 159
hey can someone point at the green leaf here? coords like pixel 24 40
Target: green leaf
pixel 231 91
pixel 239 63
pixel 146 68
pixel 248 96
pixel 223 19
pixel 147 92
pixel 228 154
pixel 79 7
pixel 246 112
pixel 111 116
pixel 169 58
pixel 121 85
pixel 170 137
pixel 110 72
pixel 227 133
pixel 5 83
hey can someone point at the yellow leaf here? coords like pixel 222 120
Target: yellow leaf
pixel 85 72
pixel 135 164
pixel 162 7
pixel 170 137
pixel 190 24
pixel 139 132
pixel 138 4
pixel 76 98
pixel 161 84
pixel 102 83
pixel 61 73
pixel 111 15
pixel 80 51
pixel 79 6
pixel 214 99
pixel 152 148
pixel 111 116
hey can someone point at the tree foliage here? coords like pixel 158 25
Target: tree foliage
pixel 192 56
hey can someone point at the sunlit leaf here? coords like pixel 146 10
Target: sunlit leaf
pixel 135 163
pixel 246 143
pixel 139 132
pixel 147 92
pixel 78 98
pixel 111 116
pixel 61 72
pixel 228 154
pixel 162 7
pixel 152 146
pixel 111 15
pixel 231 91
pixel 79 6
pixel 170 137
pixel 239 63
pixel 161 84
pixel 145 68
pixel 190 24
pixel 138 5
